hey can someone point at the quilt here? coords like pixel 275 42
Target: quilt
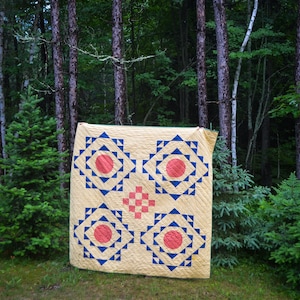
pixel 141 200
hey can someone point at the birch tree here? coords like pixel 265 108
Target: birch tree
pixel 73 62
pixel 236 83
pixel 58 81
pixel 201 67
pixel 119 71
pixel 223 71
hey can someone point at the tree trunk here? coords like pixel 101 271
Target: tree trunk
pixel 201 66
pixel 119 70
pixel 73 62
pixel 29 72
pixel 297 82
pixel 236 83
pixel 133 54
pixel 43 49
pixel 58 81
pixel 266 170
pixel 183 60
pixel 223 71
pixel 2 99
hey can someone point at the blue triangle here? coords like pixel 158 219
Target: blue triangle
pixel 176 151
pixel 175 183
pixel 177 138
pixel 172 255
pixel 103 205
pixel 193 193
pixel 175 196
pixel 104 135
pixel 174 224
pixel 101 261
pixel 102 249
pixel 104 192
pixel 104 148
pixel 103 218
pixel 103 179
pixel 174 212
pixel 171 268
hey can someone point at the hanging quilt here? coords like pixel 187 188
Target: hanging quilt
pixel 141 200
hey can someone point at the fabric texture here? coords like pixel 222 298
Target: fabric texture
pixel 141 200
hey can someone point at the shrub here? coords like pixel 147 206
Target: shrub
pixel 33 208
pixel 281 230
pixel 235 200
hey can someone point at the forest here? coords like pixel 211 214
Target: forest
pixel 228 65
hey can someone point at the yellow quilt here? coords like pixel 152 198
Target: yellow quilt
pixel 141 200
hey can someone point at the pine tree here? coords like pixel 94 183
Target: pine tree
pixel 32 206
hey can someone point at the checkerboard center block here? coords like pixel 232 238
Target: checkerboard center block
pixel 141 200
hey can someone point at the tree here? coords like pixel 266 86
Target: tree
pixel 297 81
pixel 236 83
pixel 119 68
pixel 58 81
pixel 223 71
pixel 201 67
pixel 2 99
pixel 34 212
pixel 73 56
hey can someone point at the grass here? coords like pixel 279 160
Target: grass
pixel 31 279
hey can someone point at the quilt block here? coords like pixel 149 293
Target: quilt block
pixel 141 200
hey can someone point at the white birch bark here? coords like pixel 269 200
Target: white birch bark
pixel 236 83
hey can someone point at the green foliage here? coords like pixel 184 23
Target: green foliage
pixel 235 200
pixel 281 230
pixel 286 104
pixel 32 208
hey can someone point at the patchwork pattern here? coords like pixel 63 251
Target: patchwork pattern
pixel 141 200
